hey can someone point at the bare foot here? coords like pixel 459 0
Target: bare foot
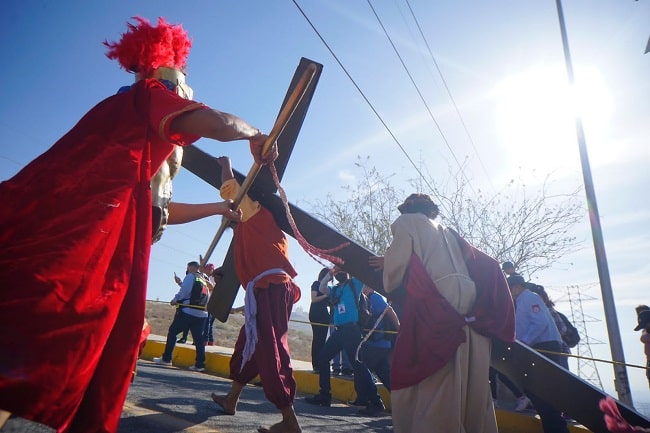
pixel 281 427
pixel 222 400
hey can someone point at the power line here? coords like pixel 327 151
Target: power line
pixel 444 82
pixel 417 89
pixel 363 95
pixel 6 158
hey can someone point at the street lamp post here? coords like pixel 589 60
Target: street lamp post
pixel 621 381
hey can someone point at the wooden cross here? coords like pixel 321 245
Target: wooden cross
pixel 317 233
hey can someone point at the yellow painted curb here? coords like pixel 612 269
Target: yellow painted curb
pixel 513 422
pixel 217 361
pixel 184 355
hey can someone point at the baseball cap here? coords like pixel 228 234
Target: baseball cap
pixel 643 318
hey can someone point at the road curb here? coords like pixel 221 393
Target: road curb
pixel 217 361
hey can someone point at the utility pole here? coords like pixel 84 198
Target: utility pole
pixel 621 381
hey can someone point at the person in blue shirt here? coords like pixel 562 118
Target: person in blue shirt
pixel 344 298
pixel 186 317
pixel 375 351
pixel 534 326
pixel 533 321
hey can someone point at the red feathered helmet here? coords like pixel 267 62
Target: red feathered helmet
pixel 154 52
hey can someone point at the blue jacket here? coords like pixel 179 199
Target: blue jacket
pixel 533 322
pixel 377 306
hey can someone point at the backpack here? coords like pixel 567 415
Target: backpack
pixel 200 295
pixel 365 320
pixel 572 336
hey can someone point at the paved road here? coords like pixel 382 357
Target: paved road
pixel 170 400
pixel 167 400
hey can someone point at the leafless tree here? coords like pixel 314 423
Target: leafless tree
pixel 531 229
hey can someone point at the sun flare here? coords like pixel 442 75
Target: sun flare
pixel 536 117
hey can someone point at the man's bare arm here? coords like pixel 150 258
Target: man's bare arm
pixel 218 125
pixel 181 213
pixel 214 124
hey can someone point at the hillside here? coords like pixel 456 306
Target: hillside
pixel 160 315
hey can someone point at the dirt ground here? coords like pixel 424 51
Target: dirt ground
pixel 160 315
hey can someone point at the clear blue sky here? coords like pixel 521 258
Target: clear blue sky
pixel 502 61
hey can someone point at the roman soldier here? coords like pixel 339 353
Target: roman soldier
pixel 76 229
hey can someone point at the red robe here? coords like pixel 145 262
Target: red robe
pixel 431 330
pixel 493 314
pixel 75 231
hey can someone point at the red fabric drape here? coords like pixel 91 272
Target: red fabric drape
pixel 431 330
pixel 494 311
pixel 75 231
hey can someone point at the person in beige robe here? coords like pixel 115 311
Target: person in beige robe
pixel 456 397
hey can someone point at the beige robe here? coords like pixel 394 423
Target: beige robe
pixel 456 398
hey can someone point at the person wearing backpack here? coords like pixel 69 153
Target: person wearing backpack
pixel 535 327
pixel 568 332
pixel 344 297
pixel 192 297
pixel 375 350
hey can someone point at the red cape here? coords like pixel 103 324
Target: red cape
pixel 75 230
pixel 431 330
pixel 494 310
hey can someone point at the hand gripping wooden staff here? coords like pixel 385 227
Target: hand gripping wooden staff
pixel 278 127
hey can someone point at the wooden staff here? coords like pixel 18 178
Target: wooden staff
pixel 278 127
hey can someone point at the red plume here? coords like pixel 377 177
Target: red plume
pixel 144 48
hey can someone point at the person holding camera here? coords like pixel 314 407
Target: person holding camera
pixel 344 298
pixel 188 316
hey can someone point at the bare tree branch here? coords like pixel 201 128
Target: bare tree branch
pixel 532 230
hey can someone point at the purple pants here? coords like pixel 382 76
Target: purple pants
pixel 271 359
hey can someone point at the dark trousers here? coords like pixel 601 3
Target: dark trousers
pixel 319 336
pixel 377 359
pixel 552 421
pixel 181 322
pixel 340 361
pixel 346 337
pixel 208 330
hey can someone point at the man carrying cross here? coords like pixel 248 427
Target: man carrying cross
pixel 262 265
